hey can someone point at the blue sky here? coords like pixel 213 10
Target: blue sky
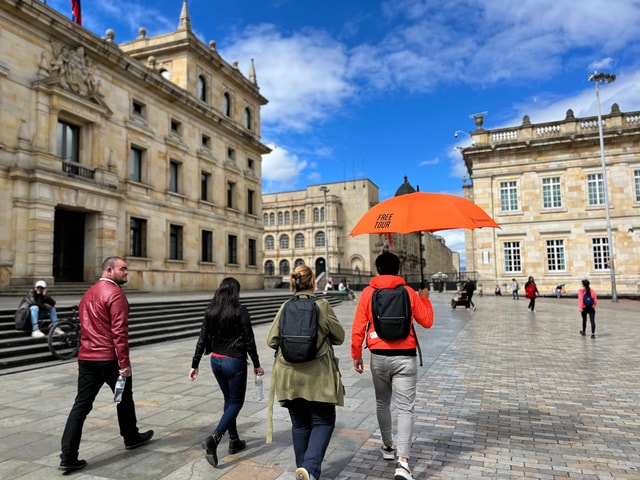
pixel 377 89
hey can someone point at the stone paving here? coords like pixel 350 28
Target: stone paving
pixel 504 393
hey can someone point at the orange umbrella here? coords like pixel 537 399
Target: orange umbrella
pixel 422 212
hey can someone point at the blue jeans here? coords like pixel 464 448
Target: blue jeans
pixel 40 314
pixel 231 375
pixel 312 425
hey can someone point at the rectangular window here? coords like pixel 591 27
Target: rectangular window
pixel 135 164
pixel 512 257
pixel 600 253
pixel 205 184
pixel 175 242
pixel 176 127
pixel 137 237
pixel 206 141
pixel 636 175
pixel 509 196
pixel 232 249
pixel 231 154
pixel 595 187
pixel 207 246
pixel 251 252
pixel 174 176
pixel 68 142
pixel 551 194
pixel 251 164
pixel 230 192
pixel 555 256
pixel 138 109
pixel 250 202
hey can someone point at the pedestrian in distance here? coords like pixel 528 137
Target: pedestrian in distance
pixel 103 356
pixel 393 363
pixel 469 287
pixel 37 305
pixel 498 290
pixel 515 287
pixel 311 389
pixel 227 335
pixel 531 292
pixel 587 303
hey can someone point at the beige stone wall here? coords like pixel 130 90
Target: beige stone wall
pixel 568 149
pixel 35 182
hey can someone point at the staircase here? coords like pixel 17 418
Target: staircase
pixel 151 322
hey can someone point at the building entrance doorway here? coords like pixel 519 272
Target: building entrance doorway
pixel 320 266
pixel 68 246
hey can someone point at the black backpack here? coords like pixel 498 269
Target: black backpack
pixel 299 329
pixel 391 310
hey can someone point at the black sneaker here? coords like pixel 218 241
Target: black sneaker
pixel 236 445
pixel 210 446
pixel 143 439
pixel 68 466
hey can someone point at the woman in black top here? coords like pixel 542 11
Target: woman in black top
pixel 226 333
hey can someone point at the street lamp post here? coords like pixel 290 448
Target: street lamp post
pixel 324 189
pixel 605 78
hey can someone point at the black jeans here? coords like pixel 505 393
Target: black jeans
pixel 312 425
pixel 592 318
pixel 91 377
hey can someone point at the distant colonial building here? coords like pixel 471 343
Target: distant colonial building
pixel 304 226
pixel 149 150
pixel 544 185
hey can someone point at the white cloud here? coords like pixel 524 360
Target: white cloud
pixel 280 169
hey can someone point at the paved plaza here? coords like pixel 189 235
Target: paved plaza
pixel 504 393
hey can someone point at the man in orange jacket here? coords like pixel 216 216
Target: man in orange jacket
pixel 394 364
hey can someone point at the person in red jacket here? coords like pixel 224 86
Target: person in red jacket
pixel 103 356
pixel 587 303
pixel 394 364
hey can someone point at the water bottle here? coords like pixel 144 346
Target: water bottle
pixel 258 388
pixel 117 393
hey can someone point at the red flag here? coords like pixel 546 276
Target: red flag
pixel 76 11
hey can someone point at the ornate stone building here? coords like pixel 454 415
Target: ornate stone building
pixel 148 149
pixel 544 185
pixel 295 233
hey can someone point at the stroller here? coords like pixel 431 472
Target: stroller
pixel 459 300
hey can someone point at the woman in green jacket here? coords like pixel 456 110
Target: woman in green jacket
pixel 309 390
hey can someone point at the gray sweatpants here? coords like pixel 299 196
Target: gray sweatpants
pixel 395 375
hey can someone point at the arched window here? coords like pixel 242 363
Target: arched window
pixel 297 263
pixel 302 217
pixel 320 239
pixel 272 219
pixel 280 218
pixel 269 242
pixel 266 219
pixel 316 214
pixel 202 88
pixel 247 118
pixel 269 268
pixel 284 267
pixel 284 241
pixel 287 218
pixel 226 104
pixel 298 240
pixel 295 217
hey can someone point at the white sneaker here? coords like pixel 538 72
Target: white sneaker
pixel 37 334
pixel 402 472
pixel 57 331
pixel 388 453
pixel 302 474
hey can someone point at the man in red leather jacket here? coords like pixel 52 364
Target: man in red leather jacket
pixel 103 356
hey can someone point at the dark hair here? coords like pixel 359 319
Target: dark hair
pixel 222 313
pixel 585 284
pixel 110 262
pixel 387 264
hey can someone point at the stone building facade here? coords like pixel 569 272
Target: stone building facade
pixel 544 185
pixel 148 149
pixel 295 233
